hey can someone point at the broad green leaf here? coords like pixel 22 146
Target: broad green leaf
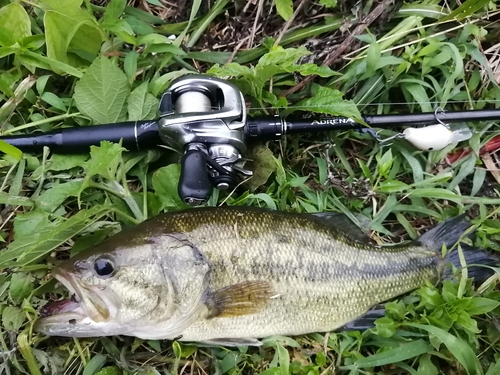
pixel 426 367
pixel 466 9
pixel 4 285
pixel 7 81
pixel 97 237
pixel 465 169
pixel 141 104
pixel 59 162
pixel 12 318
pixel 30 222
pixel 114 9
pixel 436 193
pixel 392 186
pixel 308 69
pixel 15 24
pixel 477 181
pixel 70 34
pixel 398 354
pixel 328 3
pixel 21 285
pixel 148 17
pixel 15 200
pixel 130 65
pixel 262 164
pixel 230 70
pixel 102 92
pixel 282 56
pixel 481 305
pixel 123 31
pixel 153 38
pixel 283 358
pixel 139 27
pixel 459 348
pixel 104 160
pixel 43 62
pixel 383 212
pixel 285 8
pixel 373 57
pixel 230 361
pixel 52 198
pixel 165 183
pixel 53 100
pixel 15 186
pixel 160 84
pixel 41 82
pixel 329 101
pixel 156 2
pixel 165 48
pixel 32 247
pixel 416 167
pixel 494 369
pixel 467 322
pixel 385 163
pixel 95 364
pixel 10 150
pixel 68 7
pixel 266 198
pixel 109 370
pixel 49 363
pixel 419 94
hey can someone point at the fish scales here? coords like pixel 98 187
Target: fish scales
pixel 313 269
pixel 233 274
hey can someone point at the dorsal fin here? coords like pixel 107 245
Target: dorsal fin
pixel 343 223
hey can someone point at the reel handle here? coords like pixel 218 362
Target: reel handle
pixel 194 186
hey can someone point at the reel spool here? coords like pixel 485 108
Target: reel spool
pixel 204 118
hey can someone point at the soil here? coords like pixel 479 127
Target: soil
pixel 247 23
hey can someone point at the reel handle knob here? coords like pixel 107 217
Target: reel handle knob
pixel 194 186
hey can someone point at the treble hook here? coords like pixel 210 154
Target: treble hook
pixel 383 142
pixel 439 109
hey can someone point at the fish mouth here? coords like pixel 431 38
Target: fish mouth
pixel 84 304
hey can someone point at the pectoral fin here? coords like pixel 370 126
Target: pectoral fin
pixel 248 297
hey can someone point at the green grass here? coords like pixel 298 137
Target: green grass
pixel 82 63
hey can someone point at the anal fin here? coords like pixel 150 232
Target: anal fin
pixel 245 298
pixel 232 342
pixel 365 321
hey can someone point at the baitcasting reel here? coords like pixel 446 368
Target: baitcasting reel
pixel 204 118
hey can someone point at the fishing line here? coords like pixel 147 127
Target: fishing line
pixel 384 103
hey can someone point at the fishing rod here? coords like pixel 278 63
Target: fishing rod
pixel 205 119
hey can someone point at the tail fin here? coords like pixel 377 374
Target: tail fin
pixel 448 233
pixel 475 259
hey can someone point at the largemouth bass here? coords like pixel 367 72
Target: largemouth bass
pixel 235 275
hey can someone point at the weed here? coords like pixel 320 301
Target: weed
pixel 84 63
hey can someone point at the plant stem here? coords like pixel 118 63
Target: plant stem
pixel 127 197
pixel 41 122
pixel 217 9
pixel 120 193
pixel 27 353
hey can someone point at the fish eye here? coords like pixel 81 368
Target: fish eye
pixel 104 267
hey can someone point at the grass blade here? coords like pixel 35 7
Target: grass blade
pixel 459 348
pixel 406 351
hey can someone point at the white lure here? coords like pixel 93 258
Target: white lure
pixel 429 138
